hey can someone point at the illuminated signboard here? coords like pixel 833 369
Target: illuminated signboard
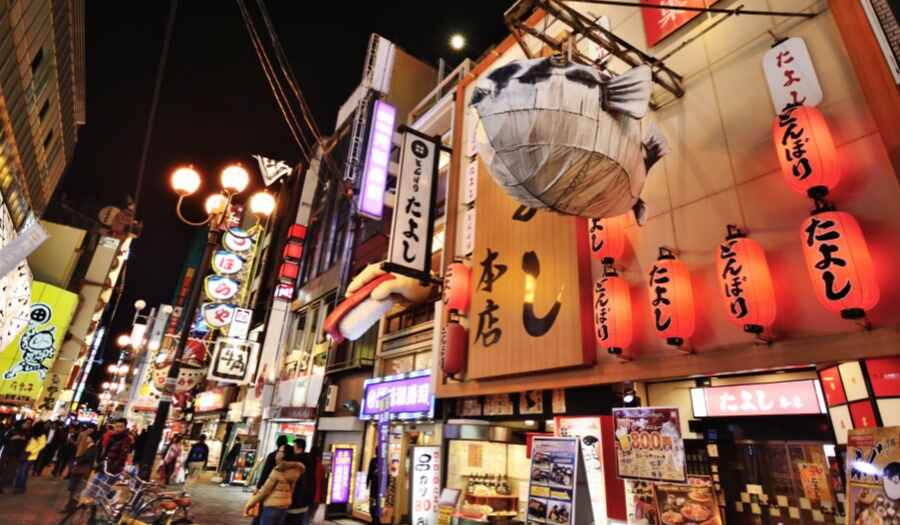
pixel 378 156
pixel 343 470
pixel 404 396
pixel 786 398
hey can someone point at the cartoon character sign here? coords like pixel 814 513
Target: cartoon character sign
pixel 873 475
pixel 36 345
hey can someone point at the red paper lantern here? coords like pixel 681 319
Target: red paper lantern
pixel 607 237
pixel 671 299
pixel 455 347
pixel 839 263
pixel 297 232
pixel 612 313
pixel 289 271
pixel 293 251
pixel 746 283
pixel 806 151
pixel 458 287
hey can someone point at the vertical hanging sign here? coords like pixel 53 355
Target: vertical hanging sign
pixel 426 484
pixel 791 76
pixel 413 223
pixel 378 157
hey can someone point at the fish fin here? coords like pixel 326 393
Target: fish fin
pixel 629 92
pixel 640 212
pixel 655 147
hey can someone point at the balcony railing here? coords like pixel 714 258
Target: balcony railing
pixel 446 86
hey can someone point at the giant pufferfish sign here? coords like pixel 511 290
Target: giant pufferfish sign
pixel 568 137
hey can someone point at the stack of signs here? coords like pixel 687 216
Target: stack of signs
pixel 873 475
pixel 226 287
pixel 557 486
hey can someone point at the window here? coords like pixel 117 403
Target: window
pixel 44 109
pixel 36 61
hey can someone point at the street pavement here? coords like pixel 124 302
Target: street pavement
pixel 213 505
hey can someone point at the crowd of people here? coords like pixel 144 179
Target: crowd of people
pixel 290 487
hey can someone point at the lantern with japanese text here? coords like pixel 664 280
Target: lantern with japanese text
pixel 607 237
pixel 839 263
pixel 746 283
pixel 671 299
pixel 454 348
pixel 806 151
pixel 458 287
pixel 612 312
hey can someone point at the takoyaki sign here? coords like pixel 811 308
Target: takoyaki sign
pixel 649 445
pixel 873 475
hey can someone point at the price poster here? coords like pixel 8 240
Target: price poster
pixel 426 484
pixel 551 487
pixel 649 445
pixel 873 475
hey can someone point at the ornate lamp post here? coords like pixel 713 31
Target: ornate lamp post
pixel 185 181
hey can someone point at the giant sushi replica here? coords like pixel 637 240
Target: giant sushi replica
pixel 568 137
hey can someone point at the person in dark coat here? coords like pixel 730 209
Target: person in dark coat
pixel 137 451
pixel 270 462
pixel 13 452
pixel 81 469
pixel 117 447
pixel 66 451
pixel 230 464
pixel 55 439
pixel 304 489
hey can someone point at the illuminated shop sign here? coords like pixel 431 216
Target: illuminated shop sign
pixel 404 396
pixel 761 399
pixel 378 157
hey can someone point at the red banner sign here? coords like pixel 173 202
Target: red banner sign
pixel 761 399
pixel 662 21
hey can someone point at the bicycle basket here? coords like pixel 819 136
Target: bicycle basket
pixel 100 487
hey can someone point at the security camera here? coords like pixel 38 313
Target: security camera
pixel 350 406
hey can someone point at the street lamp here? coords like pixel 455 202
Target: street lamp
pixel 123 340
pixel 185 181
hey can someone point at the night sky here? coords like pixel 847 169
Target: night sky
pixel 216 106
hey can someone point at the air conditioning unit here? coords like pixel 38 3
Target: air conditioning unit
pixel 331 398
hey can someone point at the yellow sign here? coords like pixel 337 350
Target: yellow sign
pixel 26 362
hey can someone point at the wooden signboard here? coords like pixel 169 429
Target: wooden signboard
pixel 531 303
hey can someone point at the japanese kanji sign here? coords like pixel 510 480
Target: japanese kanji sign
pixel 761 399
pixel 233 361
pixel 662 21
pixel 791 76
pixel 426 484
pixel 405 395
pixel 343 470
pixel 413 225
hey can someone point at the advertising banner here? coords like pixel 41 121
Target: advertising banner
pixel 649 445
pixel 233 361
pixel 694 502
pixel 873 475
pixel 552 484
pixel 343 470
pixel 759 399
pixel 26 361
pixel 404 395
pixel 587 430
pixel 426 484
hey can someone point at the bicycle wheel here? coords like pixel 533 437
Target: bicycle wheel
pixel 81 515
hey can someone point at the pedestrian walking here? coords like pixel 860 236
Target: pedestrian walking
pixel 137 451
pixel 197 457
pixel 281 441
pixel 66 451
pixel 318 479
pixel 277 492
pixel 170 458
pixel 37 439
pixel 55 439
pixel 230 464
pixel 15 440
pixel 81 469
pixel 117 446
pixel 304 489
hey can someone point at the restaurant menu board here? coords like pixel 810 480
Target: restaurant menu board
pixel 649 445
pixel 873 476
pixel 551 487
pixel 694 502
pixel 343 468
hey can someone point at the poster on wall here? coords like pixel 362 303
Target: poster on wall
pixel 873 475
pixel 343 469
pixel 426 484
pixel 662 21
pixel 694 502
pixel 554 482
pixel 27 360
pixel 649 445
pixel 587 430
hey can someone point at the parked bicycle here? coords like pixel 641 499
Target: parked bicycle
pixel 125 499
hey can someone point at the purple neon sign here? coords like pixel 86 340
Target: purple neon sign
pixel 341 474
pixel 378 156
pixel 401 396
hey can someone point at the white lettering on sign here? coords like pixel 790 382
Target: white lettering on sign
pixel 791 76
pixel 374 180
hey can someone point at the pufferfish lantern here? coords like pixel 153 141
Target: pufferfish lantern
pixel 568 137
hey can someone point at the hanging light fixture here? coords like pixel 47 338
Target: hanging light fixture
pixel 838 261
pixel 671 299
pixel 745 282
pixel 806 151
pixel 612 312
pixel 607 237
pixel 455 345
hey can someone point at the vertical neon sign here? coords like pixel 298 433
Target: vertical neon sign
pixel 378 156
